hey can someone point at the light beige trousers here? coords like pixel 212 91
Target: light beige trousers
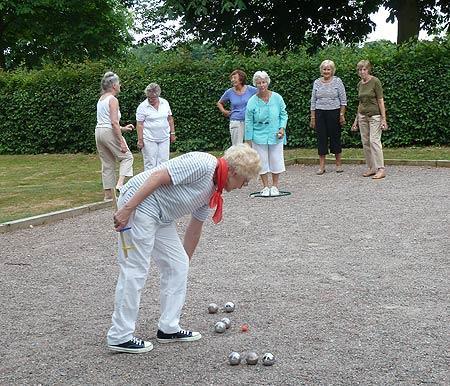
pixel 370 129
pixel 109 152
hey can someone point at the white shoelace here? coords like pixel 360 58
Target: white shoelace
pixel 137 340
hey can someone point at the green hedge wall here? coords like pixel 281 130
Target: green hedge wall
pixel 54 110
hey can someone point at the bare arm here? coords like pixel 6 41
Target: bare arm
pixel 172 128
pixel 222 109
pixel 114 117
pixel 342 115
pixel 192 236
pixel 140 133
pixel 312 120
pixel 158 178
pixel 383 113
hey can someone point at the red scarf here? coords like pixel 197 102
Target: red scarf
pixel 221 175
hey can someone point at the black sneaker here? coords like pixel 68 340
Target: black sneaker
pixel 180 336
pixel 133 346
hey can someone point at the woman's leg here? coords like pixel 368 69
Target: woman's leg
pixel 364 129
pixel 322 139
pixel 173 263
pixel 132 277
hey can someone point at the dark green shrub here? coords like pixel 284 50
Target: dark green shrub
pixel 54 109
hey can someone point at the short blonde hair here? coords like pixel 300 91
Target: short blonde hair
pixel 364 63
pixel 328 63
pixel 243 160
pixel 260 75
pixel 153 89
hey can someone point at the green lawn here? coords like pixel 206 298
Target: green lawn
pixel 37 184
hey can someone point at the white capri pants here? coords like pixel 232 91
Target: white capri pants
pixel 155 153
pixel 109 152
pixel 150 238
pixel 237 132
pixel 272 158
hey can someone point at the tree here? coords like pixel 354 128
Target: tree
pixel 432 16
pixel 246 24
pixel 35 31
pixel 284 24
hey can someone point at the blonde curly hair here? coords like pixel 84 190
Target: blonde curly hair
pixel 243 160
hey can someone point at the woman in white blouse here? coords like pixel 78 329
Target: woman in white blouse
pixel 155 127
pixel 328 104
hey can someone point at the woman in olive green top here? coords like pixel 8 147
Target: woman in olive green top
pixel 371 120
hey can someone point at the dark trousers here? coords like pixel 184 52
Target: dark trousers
pixel 328 126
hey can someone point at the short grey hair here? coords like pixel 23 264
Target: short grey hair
pixel 260 75
pixel 109 80
pixel 153 88
pixel 328 63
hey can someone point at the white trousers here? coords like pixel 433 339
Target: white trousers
pixel 272 158
pixel 237 132
pixel 149 237
pixel 155 153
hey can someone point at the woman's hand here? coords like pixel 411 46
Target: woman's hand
pixel 126 128
pixel 280 133
pixel 312 123
pixel 383 124
pixel 342 120
pixel 121 218
pixel 226 113
pixel 123 146
pixel 140 144
pixel 355 126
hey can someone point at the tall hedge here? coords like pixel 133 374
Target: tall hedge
pixel 54 110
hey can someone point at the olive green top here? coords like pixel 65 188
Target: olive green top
pixel 368 95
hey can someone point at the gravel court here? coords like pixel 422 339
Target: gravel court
pixel 345 282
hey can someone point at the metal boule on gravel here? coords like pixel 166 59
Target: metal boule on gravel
pixel 252 358
pixel 213 308
pixel 229 307
pixel 227 322
pixel 220 327
pixel 268 359
pixel 234 358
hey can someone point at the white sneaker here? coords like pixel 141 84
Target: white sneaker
pixel 265 192
pixel 274 191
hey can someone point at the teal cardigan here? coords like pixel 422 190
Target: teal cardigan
pixel 263 120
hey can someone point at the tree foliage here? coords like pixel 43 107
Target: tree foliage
pixel 283 24
pixel 36 31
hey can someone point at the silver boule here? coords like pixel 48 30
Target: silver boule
pixel 220 327
pixel 229 307
pixel 227 322
pixel 252 358
pixel 234 358
pixel 268 359
pixel 213 308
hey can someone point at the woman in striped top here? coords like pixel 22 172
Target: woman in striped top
pixel 328 103
pixel 149 205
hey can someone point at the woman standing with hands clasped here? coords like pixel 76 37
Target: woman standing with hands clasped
pixel 371 120
pixel 328 103
pixel 265 126
pixel 111 145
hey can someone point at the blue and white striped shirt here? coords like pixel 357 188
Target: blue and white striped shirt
pixel 328 96
pixel 191 189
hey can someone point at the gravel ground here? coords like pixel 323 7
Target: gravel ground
pixel 345 282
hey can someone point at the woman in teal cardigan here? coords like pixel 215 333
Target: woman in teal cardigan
pixel 265 127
